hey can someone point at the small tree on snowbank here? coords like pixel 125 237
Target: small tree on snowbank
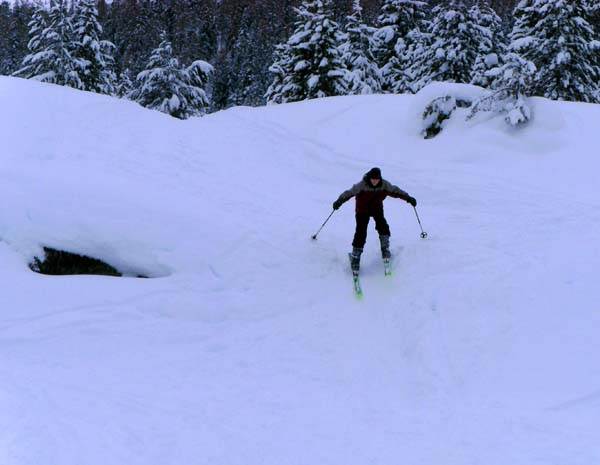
pixel 512 82
pixel 167 86
pixel 436 112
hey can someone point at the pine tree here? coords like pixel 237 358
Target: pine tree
pixel 14 34
pixel 124 84
pixel 314 67
pixel 281 69
pixel 95 55
pixel 453 49
pixel 5 14
pixel 491 43
pixel 521 39
pixel 33 63
pixel 399 37
pixel 562 51
pixel 53 61
pixel 64 67
pixel 408 51
pixel 357 54
pixel 167 86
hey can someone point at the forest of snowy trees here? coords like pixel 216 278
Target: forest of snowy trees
pixel 189 57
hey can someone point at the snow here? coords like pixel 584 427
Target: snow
pixel 386 34
pixel 563 57
pixel 522 42
pixel 312 82
pixel 248 346
pixel 203 66
pixel 491 60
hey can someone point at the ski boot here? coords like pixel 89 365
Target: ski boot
pixel 355 259
pixel 386 255
pixel 385 247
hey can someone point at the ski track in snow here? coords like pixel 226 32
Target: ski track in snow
pixel 249 348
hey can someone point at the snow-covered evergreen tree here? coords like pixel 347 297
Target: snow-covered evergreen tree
pixel 34 63
pixel 53 59
pixel 453 49
pixel 521 38
pixel 400 35
pixel 563 53
pixel 280 69
pixel 167 86
pixel 95 55
pixel 124 84
pixel 491 43
pixel 310 65
pixel 357 53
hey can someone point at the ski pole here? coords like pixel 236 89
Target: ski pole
pixel 315 235
pixel 423 233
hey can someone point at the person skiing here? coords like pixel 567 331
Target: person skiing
pixel 370 193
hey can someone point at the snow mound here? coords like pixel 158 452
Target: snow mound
pixel 250 348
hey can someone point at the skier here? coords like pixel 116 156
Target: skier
pixel 370 193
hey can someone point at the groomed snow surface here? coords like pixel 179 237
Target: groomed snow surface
pixel 248 346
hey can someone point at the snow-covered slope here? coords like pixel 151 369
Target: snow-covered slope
pixel 248 347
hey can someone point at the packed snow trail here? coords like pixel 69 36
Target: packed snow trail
pixel 249 347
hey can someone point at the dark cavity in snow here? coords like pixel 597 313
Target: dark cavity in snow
pixel 59 262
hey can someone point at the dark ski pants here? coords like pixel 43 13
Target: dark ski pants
pixel 362 222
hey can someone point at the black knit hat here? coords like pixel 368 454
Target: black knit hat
pixel 374 173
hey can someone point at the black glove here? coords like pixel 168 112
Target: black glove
pixel 412 201
pixel 337 204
